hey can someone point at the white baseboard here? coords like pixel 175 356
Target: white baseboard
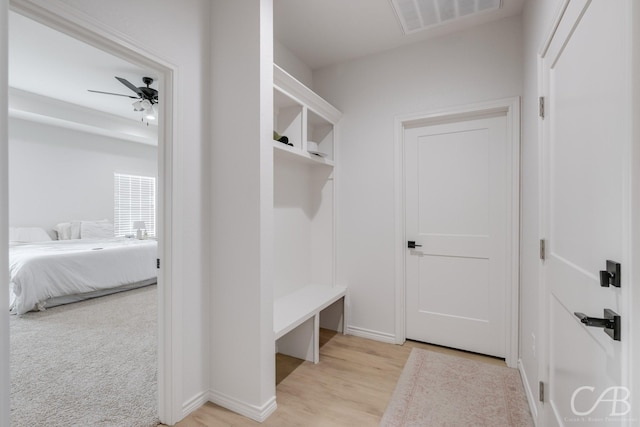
pixel 194 403
pixel 533 406
pixel 259 414
pixel 256 413
pixel 372 335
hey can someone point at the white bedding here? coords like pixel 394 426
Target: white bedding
pixel 43 270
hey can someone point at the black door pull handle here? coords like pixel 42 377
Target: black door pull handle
pixel 412 245
pixel 610 323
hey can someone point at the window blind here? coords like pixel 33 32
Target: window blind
pixel 135 200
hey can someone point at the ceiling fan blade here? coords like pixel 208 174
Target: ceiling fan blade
pixel 130 86
pixel 110 93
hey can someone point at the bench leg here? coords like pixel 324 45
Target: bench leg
pixel 316 338
pixel 302 342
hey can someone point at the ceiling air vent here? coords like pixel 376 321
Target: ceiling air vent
pixel 416 15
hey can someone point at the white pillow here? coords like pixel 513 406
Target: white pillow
pixel 68 230
pixel 28 234
pixel 96 230
pixel 63 230
pixel 75 230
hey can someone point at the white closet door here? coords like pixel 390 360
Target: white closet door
pixel 456 194
pixel 586 217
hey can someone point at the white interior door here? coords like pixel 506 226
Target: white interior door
pixel 585 202
pixel 456 207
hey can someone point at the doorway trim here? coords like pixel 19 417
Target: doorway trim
pixel 82 27
pixel 511 108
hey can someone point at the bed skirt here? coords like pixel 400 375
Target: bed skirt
pixel 68 299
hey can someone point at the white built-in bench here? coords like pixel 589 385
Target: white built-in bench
pixel 296 320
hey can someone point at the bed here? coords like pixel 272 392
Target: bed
pixel 48 273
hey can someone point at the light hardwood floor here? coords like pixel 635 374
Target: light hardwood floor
pixel 351 386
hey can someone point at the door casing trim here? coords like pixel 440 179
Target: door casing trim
pixel 511 108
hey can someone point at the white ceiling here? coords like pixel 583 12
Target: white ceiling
pixel 325 32
pixel 320 32
pixel 52 64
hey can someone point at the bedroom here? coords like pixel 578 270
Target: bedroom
pixel 83 168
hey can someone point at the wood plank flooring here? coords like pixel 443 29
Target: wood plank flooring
pixel 351 386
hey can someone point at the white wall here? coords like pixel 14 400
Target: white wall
pixel 58 175
pixel 303 226
pixel 289 62
pixel 292 226
pixel 241 304
pixel 177 32
pixel 477 65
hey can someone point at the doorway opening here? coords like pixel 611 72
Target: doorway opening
pixel 110 43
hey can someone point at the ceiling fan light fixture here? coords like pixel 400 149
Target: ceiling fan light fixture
pixel 149 110
pixel 146 98
pixel 146 105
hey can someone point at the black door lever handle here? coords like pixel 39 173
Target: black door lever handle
pixel 412 245
pixel 610 323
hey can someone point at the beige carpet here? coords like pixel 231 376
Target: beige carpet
pixel 91 363
pixel 441 390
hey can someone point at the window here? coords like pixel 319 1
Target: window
pixel 135 200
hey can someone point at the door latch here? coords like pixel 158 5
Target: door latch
pixel 412 245
pixel 610 276
pixel 610 323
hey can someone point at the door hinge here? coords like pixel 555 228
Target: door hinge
pixel 541 106
pixel 158 263
pixel 541 391
pixel 542 249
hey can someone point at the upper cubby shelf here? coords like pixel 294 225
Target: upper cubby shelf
pixel 283 151
pixel 304 118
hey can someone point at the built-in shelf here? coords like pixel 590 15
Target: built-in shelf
pixel 286 83
pixel 286 151
pixel 304 219
pixel 302 116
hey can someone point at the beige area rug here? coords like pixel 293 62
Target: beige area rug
pixel 440 390
pixel 87 364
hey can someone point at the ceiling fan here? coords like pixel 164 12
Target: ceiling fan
pixel 147 97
